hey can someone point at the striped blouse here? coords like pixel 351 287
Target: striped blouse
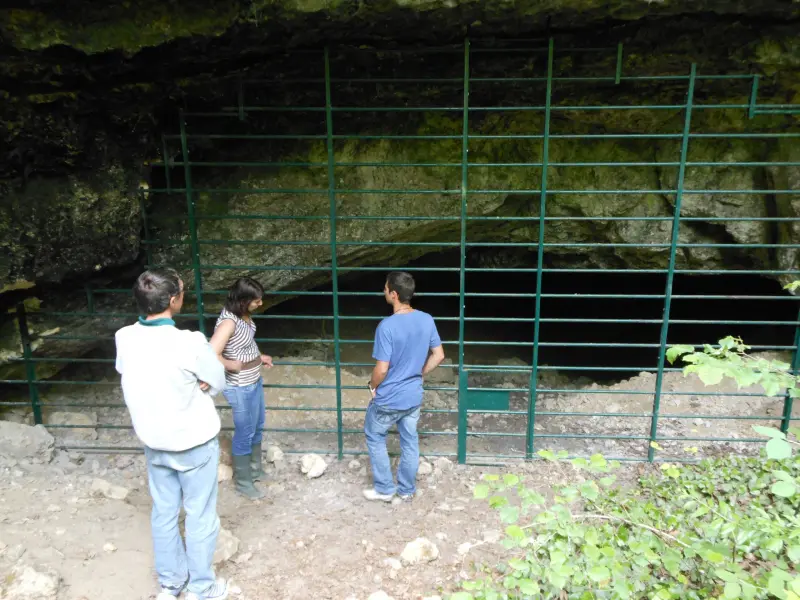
pixel 241 346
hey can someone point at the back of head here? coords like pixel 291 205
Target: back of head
pixel 241 294
pixel 154 289
pixel 403 284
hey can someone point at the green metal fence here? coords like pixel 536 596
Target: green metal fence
pixel 475 402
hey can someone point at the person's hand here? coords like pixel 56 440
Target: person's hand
pixel 235 366
pixel 266 360
pixel 204 387
pixel 373 393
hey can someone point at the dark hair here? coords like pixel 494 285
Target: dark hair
pixel 402 283
pixel 241 294
pixel 154 289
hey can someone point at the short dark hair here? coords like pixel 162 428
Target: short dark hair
pixel 241 294
pixel 402 283
pixel 155 288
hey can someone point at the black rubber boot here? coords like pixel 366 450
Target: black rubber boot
pixel 255 463
pixel 243 478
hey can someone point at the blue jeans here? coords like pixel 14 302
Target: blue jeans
pixel 247 404
pixel 190 476
pixel 376 426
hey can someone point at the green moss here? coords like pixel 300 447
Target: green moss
pixel 125 27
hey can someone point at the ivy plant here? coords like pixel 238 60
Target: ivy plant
pixel 723 528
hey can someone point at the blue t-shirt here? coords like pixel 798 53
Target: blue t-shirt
pixel 404 341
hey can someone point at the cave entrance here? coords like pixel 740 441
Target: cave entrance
pixel 319 172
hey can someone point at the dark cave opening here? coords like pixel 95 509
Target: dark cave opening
pixel 593 325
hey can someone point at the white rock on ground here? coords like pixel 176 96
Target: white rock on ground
pixel 379 596
pixel 101 487
pixel 274 454
pixel 82 425
pixel 464 549
pixel 313 465
pixel 224 473
pixel 443 464
pixel 393 564
pixel 227 546
pixel 25 443
pixel 27 583
pixel 421 550
pixel 354 465
pixel 425 468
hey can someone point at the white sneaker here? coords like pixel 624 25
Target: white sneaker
pixel 218 591
pixel 170 593
pixel 373 495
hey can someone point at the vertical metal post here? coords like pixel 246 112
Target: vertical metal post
pixel 195 247
pixel 533 385
pixel 30 366
pixel 676 221
pixel 167 165
pixel 462 376
pixel 334 259
pixel 148 250
pixel 618 74
pixel 89 298
pixel 788 401
pixel 753 98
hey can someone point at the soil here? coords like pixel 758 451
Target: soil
pixel 307 539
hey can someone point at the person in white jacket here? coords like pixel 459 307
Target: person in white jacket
pixel 169 379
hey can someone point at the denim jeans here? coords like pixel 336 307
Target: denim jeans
pixel 247 404
pixel 376 425
pixel 189 476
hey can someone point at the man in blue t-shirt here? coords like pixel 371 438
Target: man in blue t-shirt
pixel 407 347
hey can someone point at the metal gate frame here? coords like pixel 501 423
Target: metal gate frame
pixel 753 109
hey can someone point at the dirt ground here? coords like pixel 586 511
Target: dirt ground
pixel 307 539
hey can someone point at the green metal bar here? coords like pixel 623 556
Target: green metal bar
pixel 89 298
pixel 198 277
pixel 753 98
pixel 618 75
pixel 687 124
pixel 788 400
pixel 462 285
pixel 167 165
pixel 534 380
pixel 148 251
pixel 30 366
pixel 334 257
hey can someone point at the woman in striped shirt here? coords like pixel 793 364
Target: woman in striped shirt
pixel 234 342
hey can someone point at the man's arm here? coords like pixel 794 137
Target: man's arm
pixel 378 373
pixel 435 358
pixel 382 353
pixel 208 369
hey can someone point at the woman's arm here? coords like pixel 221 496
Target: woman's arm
pixel 218 342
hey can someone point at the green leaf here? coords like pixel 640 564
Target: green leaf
pixel 515 532
pixel 710 375
pixel 725 575
pixel 770 432
pixel 481 491
pixel 598 574
pixel 461 596
pixel 529 588
pixel 778 449
pixel 589 490
pixel 509 514
pixel 673 352
pixel 732 590
pixel 793 552
pixel 784 489
pixel 510 480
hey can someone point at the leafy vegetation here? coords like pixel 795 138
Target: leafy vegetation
pixel 723 528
